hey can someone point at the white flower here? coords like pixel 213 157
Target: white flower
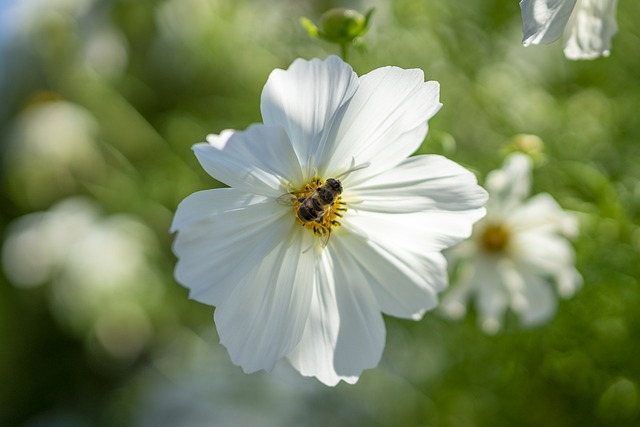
pixel 99 267
pixel 514 252
pixel 282 290
pixel 588 25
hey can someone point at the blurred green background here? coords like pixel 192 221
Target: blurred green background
pixel 100 103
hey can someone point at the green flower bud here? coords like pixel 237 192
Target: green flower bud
pixel 340 26
pixel 528 144
pixel 343 25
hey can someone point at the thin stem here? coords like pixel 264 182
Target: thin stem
pixel 344 51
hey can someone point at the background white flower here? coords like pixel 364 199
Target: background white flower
pixel 279 292
pixel 102 283
pixel 514 252
pixel 587 26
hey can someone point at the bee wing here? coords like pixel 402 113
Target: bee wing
pixel 287 199
pixel 324 239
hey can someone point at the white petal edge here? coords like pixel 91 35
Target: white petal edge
pixel 419 183
pixel 259 160
pixel 405 284
pixel 428 231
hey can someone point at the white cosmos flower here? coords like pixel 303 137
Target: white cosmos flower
pixel 588 25
pixel 280 292
pixel 515 251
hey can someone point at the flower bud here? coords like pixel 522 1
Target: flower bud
pixel 528 144
pixel 339 25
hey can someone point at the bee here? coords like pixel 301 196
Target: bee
pixel 315 206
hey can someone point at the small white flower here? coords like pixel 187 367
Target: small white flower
pixel 588 25
pixel 282 288
pixel 514 252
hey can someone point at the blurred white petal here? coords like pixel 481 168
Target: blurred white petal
pixel 544 21
pixel 510 185
pixel 587 26
pixel 590 29
pixel 541 303
pixel 542 214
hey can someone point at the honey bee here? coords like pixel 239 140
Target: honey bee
pixel 315 206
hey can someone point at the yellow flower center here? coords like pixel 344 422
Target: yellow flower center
pixel 318 205
pixel 495 238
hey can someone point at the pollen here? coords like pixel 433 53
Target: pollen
pixel 495 238
pixel 318 206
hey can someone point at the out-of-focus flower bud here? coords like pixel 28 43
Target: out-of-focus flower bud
pixel 339 26
pixel 531 145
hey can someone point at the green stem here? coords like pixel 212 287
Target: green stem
pixel 344 51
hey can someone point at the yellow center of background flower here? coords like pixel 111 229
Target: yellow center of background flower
pixel 495 238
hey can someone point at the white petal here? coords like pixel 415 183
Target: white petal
pixel 205 205
pixel 509 185
pixel 428 231
pixel 385 122
pixel 490 295
pixel 405 284
pixel 417 184
pixel 568 281
pixel 590 30
pixel 541 303
pixel 259 160
pixel 263 317
pixel 221 233
pixel 454 303
pixel 544 21
pixel 545 254
pixel 305 100
pixel 344 333
pixel 543 214
pixel 548 257
pixel 314 354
